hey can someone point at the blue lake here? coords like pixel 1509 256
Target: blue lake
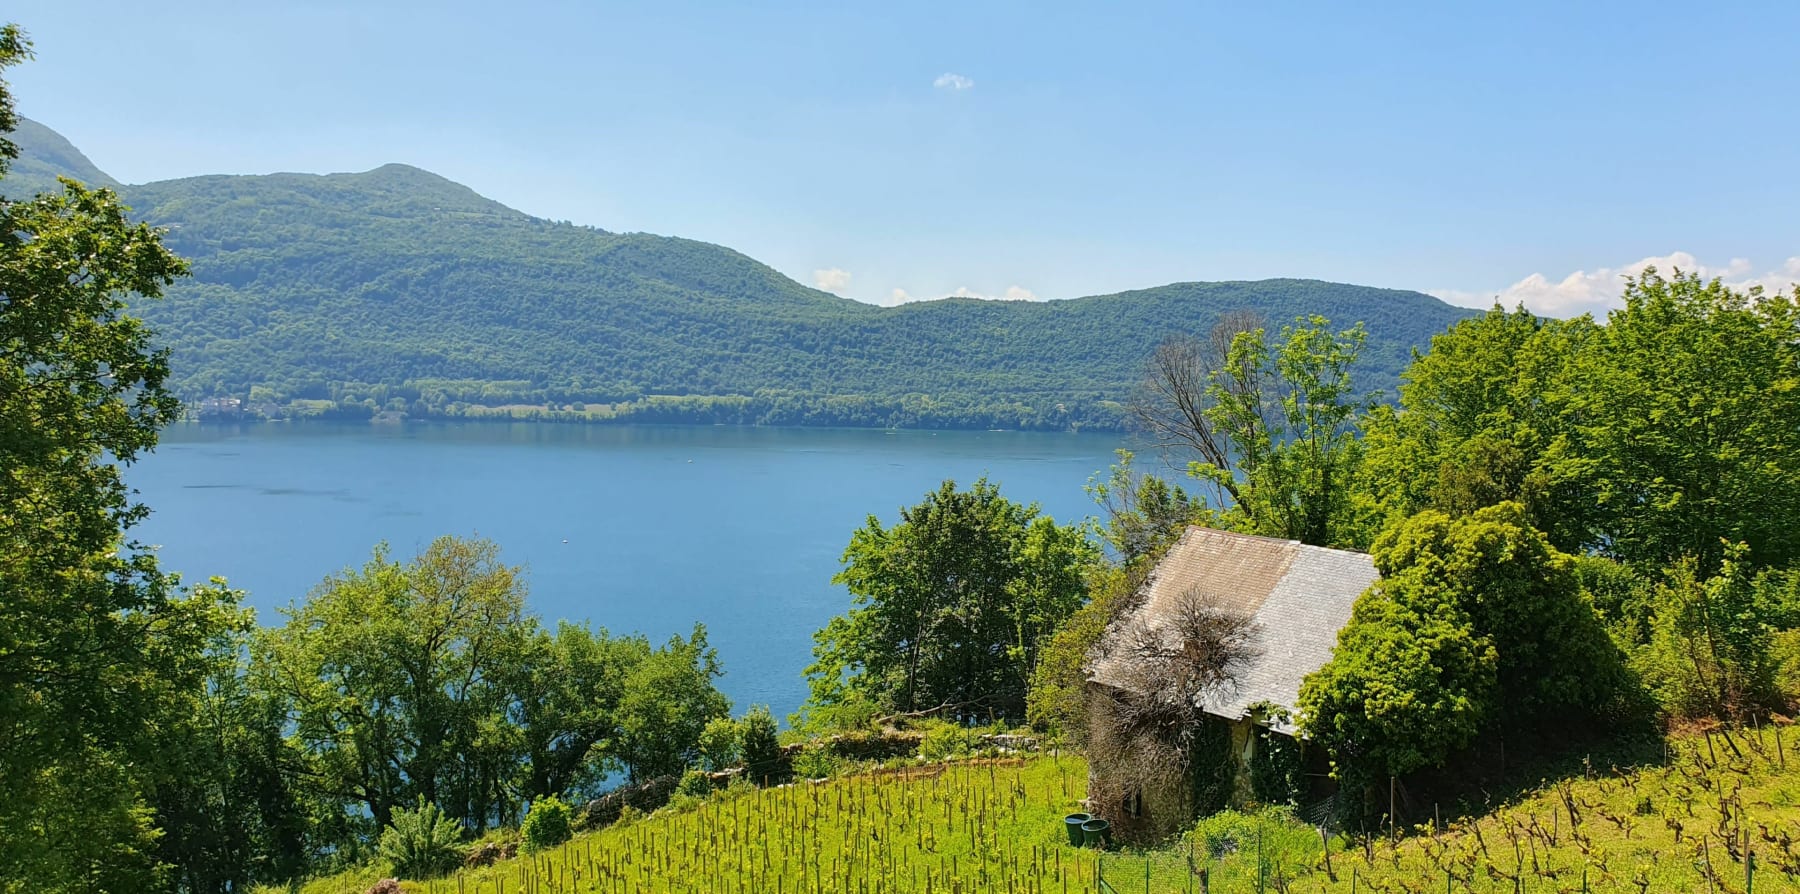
pixel 643 528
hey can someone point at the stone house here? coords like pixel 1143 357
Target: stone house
pixel 1281 604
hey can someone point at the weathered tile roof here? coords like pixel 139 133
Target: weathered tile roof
pixel 1299 597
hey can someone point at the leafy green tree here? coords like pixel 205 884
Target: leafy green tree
pixel 761 747
pixel 95 641
pixel 1272 426
pixel 1476 624
pixel 721 744
pixel 568 692
pixel 951 605
pixel 224 794
pixel 1711 650
pixel 1690 423
pixel 392 679
pixel 670 697
pixel 1483 420
pixel 1144 513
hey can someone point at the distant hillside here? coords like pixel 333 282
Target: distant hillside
pixel 398 290
pixel 45 155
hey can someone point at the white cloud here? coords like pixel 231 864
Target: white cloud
pixel 952 81
pixel 832 280
pixel 1598 291
pixel 1012 293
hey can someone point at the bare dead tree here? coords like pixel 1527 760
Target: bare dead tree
pixel 1164 672
pixel 1172 406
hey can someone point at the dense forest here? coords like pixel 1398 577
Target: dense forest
pixel 397 291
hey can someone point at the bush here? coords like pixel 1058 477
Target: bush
pixel 1475 625
pixel 682 802
pixel 422 843
pixel 1716 647
pixel 1288 847
pixel 721 743
pixel 760 745
pixel 694 784
pixel 947 740
pixel 547 825
pixel 817 762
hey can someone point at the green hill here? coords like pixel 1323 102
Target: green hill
pixel 395 289
pixel 45 155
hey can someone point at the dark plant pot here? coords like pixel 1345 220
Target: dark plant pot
pixel 1072 823
pixel 1096 833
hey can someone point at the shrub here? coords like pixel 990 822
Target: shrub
pixel 1722 646
pixel 628 815
pixel 947 740
pixel 682 802
pixel 721 743
pixel 1288 847
pixel 760 745
pixel 547 825
pixel 694 784
pixel 422 843
pixel 817 762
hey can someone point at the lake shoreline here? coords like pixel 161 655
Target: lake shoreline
pixel 646 527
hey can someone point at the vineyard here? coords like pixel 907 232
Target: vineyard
pixel 1721 814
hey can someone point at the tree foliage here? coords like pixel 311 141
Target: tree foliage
pixel 669 699
pixel 98 647
pixel 1711 648
pixel 1271 427
pixel 952 605
pixel 1690 423
pixel 393 677
pixel 1482 420
pixel 426 679
pixel 1668 432
pixel 1476 625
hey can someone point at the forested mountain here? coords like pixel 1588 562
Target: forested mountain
pixel 397 290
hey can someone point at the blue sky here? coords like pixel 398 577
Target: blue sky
pixel 1532 151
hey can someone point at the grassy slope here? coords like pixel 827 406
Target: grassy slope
pixel 997 829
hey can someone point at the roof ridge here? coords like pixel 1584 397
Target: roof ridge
pixel 1267 539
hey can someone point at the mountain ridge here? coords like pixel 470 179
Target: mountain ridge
pixel 396 290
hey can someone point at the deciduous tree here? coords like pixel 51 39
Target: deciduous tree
pixel 95 641
pixel 1271 427
pixel 951 605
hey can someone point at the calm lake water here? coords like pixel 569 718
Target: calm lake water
pixel 738 528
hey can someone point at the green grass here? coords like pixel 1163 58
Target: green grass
pixel 996 827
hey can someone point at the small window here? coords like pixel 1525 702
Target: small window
pixel 1134 804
